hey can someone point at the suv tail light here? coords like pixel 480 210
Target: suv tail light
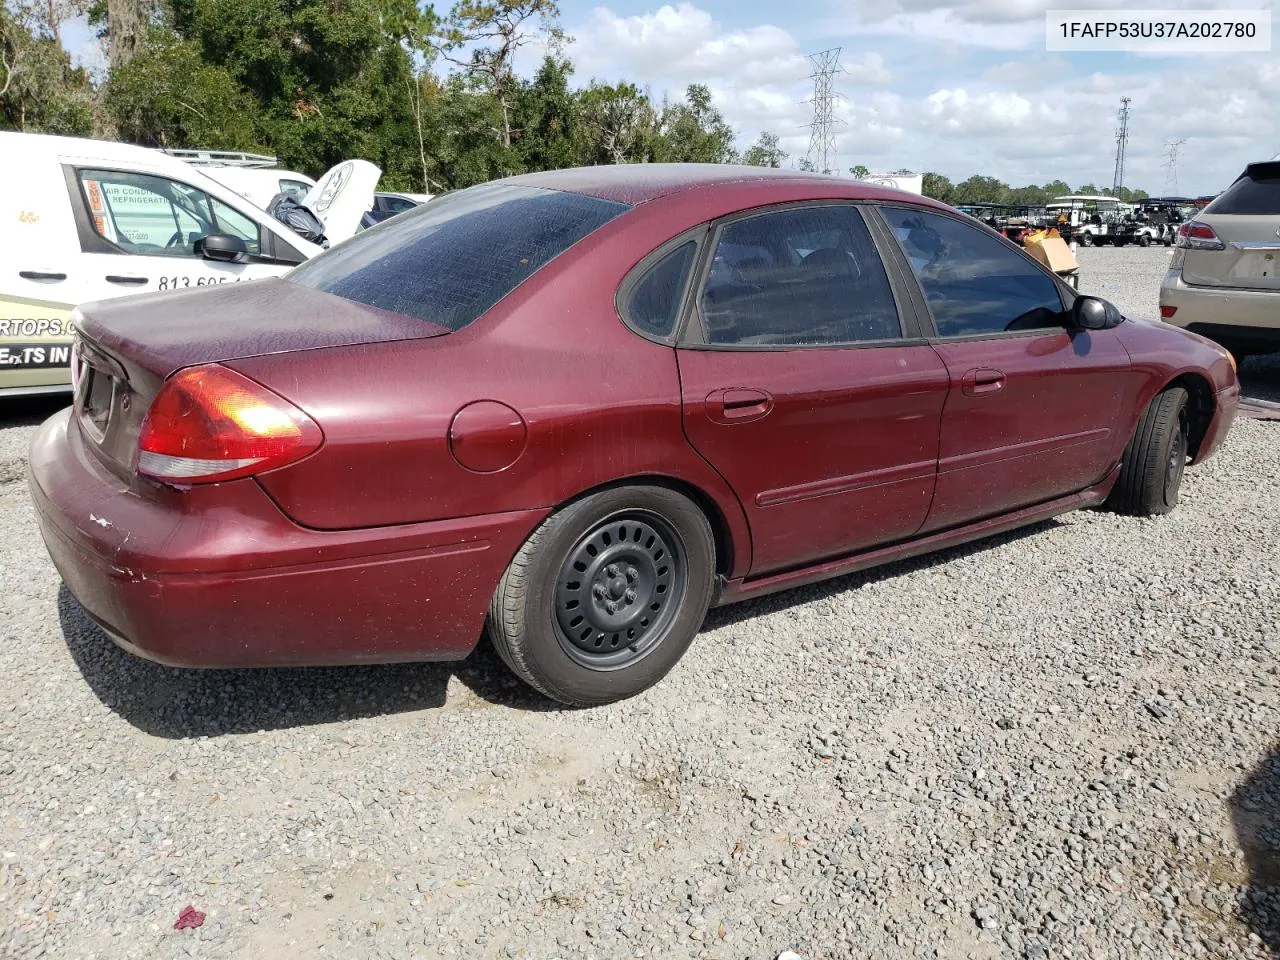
pixel 1194 235
pixel 209 423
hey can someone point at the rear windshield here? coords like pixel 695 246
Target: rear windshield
pixel 451 259
pixel 1256 192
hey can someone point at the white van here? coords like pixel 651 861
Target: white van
pixel 84 220
pixel 252 175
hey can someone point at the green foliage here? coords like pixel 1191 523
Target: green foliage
pixel 39 89
pixel 433 99
pixel 693 131
pixel 860 172
pixel 939 187
pixel 765 152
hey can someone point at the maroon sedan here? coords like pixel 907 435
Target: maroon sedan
pixel 578 408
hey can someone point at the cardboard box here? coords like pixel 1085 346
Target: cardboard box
pixel 1054 253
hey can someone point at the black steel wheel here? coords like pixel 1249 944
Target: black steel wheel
pixel 1155 460
pixel 619 588
pixel 605 596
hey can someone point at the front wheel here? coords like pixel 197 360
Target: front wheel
pixel 606 595
pixel 1086 239
pixel 1156 457
pixel 1144 241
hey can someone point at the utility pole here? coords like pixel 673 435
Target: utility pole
pixel 1122 138
pixel 822 131
pixel 1171 166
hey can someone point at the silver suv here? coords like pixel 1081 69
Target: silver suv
pixel 1224 278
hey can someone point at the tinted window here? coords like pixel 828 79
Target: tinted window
pixel 157 216
pixel 1256 192
pixel 973 282
pixel 655 300
pixel 450 260
pixel 809 275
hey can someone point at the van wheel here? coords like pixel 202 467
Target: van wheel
pixel 1156 457
pixel 606 595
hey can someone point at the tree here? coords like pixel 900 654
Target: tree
pixel 938 187
pixel 493 30
pixel 549 119
pixel 860 172
pixel 126 27
pixel 980 189
pixel 765 152
pixel 414 27
pixel 693 131
pixel 620 123
pixel 40 91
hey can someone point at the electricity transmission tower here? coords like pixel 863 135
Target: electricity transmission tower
pixel 1171 166
pixel 1122 139
pixel 822 131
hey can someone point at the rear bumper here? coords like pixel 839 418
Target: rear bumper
pixel 217 576
pixel 1245 317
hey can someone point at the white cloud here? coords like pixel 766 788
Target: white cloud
pixel 920 90
pixel 686 42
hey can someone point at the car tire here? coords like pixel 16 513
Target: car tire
pixel 1144 241
pixel 1154 461
pixel 605 596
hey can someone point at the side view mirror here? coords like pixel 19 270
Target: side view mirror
pixel 1094 313
pixel 223 247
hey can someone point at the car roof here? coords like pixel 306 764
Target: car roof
pixel 637 183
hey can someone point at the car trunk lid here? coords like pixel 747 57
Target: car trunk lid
pixel 127 347
pixel 1246 218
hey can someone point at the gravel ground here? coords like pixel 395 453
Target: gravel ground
pixel 1058 743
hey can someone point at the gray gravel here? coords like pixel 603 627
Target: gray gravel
pixel 1059 743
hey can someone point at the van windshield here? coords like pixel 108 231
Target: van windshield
pixel 449 260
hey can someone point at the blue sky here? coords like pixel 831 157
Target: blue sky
pixel 961 88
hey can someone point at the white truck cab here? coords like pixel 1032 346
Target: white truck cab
pixel 84 220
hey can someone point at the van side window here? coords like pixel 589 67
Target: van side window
pixel 156 216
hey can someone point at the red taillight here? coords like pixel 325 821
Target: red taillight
pixel 1194 235
pixel 210 423
pixel 1167 312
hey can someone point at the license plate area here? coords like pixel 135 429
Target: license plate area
pixel 98 383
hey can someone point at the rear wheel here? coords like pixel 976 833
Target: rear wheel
pixel 1156 457
pixel 1086 239
pixel 606 595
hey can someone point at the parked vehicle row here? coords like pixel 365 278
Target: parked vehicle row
pixel 671 386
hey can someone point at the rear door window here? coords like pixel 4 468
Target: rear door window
pixel 449 261
pixel 803 276
pixel 1255 193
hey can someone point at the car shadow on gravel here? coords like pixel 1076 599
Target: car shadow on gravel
pixel 1260 378
pixel 1255 812
pixel 29 411
pixel 174 703
pixel 736 613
